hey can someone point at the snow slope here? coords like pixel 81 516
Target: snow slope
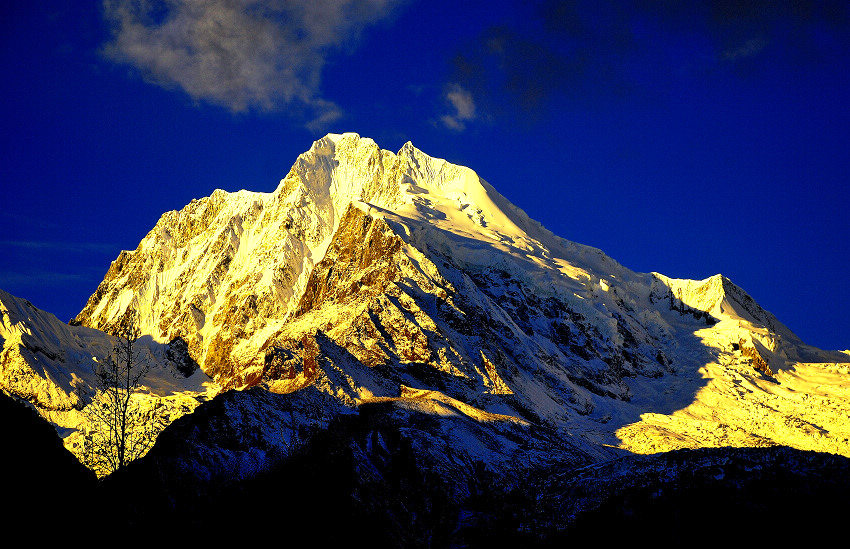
pixel 50 365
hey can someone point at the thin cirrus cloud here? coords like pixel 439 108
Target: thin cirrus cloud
pixel 72 247
pixel 260 55
pixel 462 108
pixel 14 279
pixel 33 268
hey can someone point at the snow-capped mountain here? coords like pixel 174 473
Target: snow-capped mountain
pixel 377 277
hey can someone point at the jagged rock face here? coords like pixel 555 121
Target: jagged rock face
pixel 393 310
pixel 226 266
pixel 379 276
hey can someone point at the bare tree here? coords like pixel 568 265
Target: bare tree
pixel 119 429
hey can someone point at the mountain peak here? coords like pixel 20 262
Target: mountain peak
pixel 335 137
pixel 401 278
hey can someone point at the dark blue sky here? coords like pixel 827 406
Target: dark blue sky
pixel 685 140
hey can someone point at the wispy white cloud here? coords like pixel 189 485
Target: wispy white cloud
pixel 44 263
pixel 243 55
pixel 462 108
pixel 14 279
pixel 76 247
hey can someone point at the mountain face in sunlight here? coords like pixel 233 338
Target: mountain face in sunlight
pixel 390 331
pixel 375 277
